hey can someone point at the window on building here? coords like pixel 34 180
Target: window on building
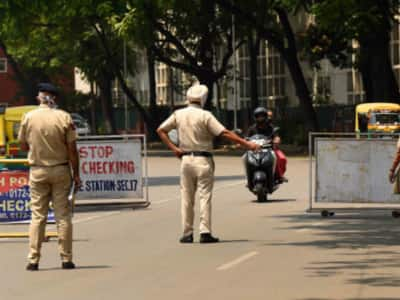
pixel 271 76
pixel 275 75
pixel 179 86
pixel 262 73
pixel 3 65
pixel 162 83
pixel 355 90
pixel 244 75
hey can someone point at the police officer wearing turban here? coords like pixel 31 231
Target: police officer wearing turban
pixel 196 130
pixel 49 136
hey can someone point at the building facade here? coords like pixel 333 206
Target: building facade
pixel 8 85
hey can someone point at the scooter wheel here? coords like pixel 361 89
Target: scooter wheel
pixel 261 197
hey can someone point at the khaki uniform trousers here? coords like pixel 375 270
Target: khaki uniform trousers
pixel 50 183
pixel 197 175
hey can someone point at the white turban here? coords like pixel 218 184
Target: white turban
pixel 197 93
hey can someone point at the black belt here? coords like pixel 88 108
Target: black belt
pixel 198 153
pixel 63 164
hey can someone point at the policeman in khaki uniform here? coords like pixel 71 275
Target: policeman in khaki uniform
pixel 196 130
pixel 49 135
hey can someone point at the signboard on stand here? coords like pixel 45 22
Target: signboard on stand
pixel 15 198
pixel 110 169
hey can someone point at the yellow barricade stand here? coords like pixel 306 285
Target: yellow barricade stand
pixel 13 163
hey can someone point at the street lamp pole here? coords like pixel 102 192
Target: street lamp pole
pixel 235 104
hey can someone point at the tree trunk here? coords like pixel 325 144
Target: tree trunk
pixel 152 84
pixel 209 82
pixel 106 103
pixel 93 99
pixel 289 54
pixel 302 90
pixel 116 68
pixel 378 78
pixel 153 108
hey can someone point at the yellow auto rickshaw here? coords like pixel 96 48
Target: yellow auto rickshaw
pixel 10 121
pixel 379 117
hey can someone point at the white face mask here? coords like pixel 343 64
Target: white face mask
pixel 48 99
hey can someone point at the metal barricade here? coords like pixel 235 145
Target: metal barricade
pixel 113 168
pixel 351 169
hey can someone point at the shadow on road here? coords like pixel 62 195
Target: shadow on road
pixel 360 237
pixel 174 180
pixel 233 241
pixel 271 201
pixel 78 268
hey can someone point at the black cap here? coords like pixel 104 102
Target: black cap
pixel 47 87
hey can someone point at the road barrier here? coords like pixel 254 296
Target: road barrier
pixel 351 168
pixel 112 167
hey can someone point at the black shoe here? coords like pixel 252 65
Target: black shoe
pixel 68 265
pixel 32 267
pixel 207 238
pixel 187 239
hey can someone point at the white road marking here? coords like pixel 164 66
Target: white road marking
pixel 91 218
pixel 237 261
pixel 318 224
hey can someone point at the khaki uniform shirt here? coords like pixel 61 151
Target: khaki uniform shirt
pixel 196 128
pixel 47 131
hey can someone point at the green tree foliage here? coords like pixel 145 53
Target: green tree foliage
pixel 49 35
pixel 271 20
pixel 192 36
pixel 369 23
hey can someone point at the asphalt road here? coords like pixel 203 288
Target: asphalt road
pixel 269 250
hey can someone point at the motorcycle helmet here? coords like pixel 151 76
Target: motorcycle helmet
pixel 260 115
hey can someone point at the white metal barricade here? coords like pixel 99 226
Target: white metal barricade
pixel 351 168
pixel 113 167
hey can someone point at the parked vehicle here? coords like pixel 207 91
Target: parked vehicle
pixel 81 124
pixel 260 168
pixel 377 117
pixel 10 122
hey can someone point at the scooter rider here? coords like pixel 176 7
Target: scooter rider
pixel 263 125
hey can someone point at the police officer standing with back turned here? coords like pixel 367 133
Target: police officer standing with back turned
pixel 49 135
pixel 196 130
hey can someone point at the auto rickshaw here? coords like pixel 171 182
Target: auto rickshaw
pixel 379 117
pixel 10 121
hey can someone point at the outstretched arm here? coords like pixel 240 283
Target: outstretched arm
pixel 233 137
pixel 394 166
